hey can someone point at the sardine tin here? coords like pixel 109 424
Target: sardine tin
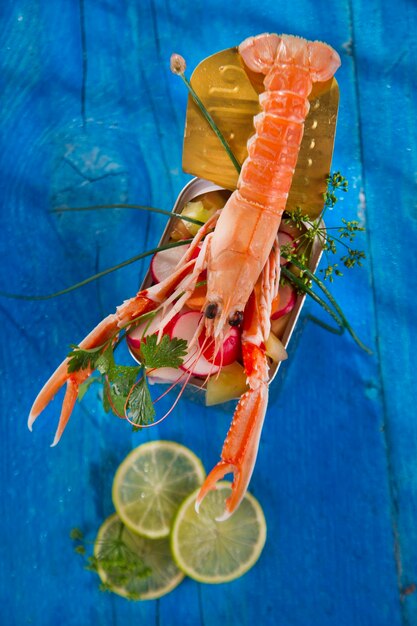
pixel 197 187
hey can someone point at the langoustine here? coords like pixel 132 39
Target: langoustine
pixel 239 255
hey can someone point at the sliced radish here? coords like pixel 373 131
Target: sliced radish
pixel 230 350
pixel 284 302
pixel 165 375
pixel 165 261
pixel 139 334
pixel 146 328
pixel 285 239
pixel 186 327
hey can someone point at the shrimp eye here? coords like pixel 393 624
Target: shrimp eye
pixel 211 310
pixel 236 319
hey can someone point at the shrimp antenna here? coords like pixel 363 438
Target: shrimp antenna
pixel 210 342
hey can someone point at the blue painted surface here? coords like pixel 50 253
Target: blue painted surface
pixel 90 113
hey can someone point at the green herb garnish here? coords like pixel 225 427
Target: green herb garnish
pixel 141 408
pixel 80 359
pixel 167 353
pixel 114 558
pixel 90 279
pixel 178 67
pixel 126 391
pixel 313 230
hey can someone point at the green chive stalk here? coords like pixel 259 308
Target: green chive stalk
pixel 178 67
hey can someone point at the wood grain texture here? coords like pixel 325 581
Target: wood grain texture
pixel 390 180
pixel 89 114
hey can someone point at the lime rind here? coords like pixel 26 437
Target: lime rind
pixel 164 574
pixel 151 483
pixel 217 552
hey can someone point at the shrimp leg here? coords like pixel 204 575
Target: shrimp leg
pixel 184 279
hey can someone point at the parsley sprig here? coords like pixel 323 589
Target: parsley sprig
pixel 119 562
pixel 310 231
pixel 81 359
pixel 314 230
pixel 167 353
pixel 125 387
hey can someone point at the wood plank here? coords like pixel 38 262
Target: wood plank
pixel 386 76
pixel 92 114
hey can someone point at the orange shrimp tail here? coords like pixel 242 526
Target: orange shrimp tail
pixel 248 224
pixel 241 445
pixel 104 331
pixel 324 61
pixel 260 53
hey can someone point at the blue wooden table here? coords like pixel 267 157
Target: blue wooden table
pixel 89 114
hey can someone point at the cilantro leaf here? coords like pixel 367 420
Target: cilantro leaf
pixel 85 386
pixel 121 379
pixel 141 409
pixel 105 361
pixel 106 394
pixel 80 359
pixel 167 353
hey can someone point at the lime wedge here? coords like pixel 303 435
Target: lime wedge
pixel 151 483
pixel 216 552
pixel 131 566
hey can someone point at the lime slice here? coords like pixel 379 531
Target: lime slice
pixel 131 566
pixel 216 552
pixel 151 483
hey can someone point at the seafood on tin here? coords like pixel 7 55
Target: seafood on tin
pixel 239 251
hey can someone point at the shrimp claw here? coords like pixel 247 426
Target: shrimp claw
pixel 104 331
pixel 240 448
pixel 241 445
pixel 127 313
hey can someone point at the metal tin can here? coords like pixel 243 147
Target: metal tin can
pixel 196 187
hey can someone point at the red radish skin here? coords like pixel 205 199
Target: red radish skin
pixel 230 351
pixel 150 327
pixel 185 327
pixel 285 239
pixel 284 302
